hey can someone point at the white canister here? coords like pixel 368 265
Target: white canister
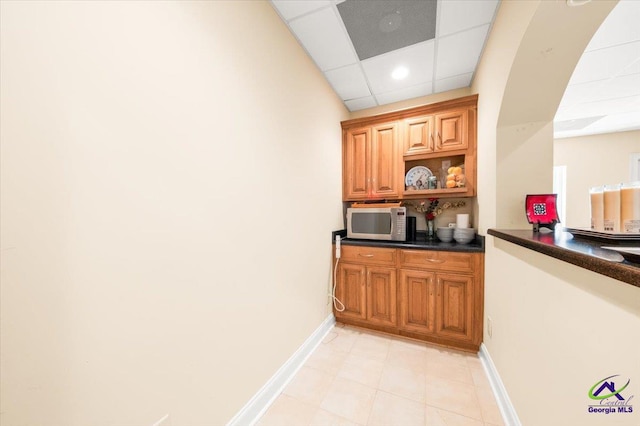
pixel 597 208
pixel 630 208
pixel 462 220
pixel 611 218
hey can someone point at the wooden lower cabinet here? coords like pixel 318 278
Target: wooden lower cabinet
pixel 417 301
pixel 381 296
pixel 367 293
pixel 351 291
pixel 438 296
pixel 454 311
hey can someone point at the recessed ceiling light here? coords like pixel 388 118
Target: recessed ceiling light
pixel 400 73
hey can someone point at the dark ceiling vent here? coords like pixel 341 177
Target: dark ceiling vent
pixel 377 27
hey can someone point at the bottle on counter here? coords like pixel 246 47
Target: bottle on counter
pixel 611 218
pixel 597 208
pixel 630 208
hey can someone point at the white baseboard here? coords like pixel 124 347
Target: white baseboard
pixel 256 407
pixel 502 398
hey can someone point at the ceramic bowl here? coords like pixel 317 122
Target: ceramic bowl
pixel 463 240
pixel 445 234
pixel 464 232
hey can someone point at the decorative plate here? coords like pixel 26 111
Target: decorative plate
pixel 631 254
pixel 603 235
pixel 541 208
pixel 417 177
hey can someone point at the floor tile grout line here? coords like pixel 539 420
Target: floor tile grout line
pixel 456 413
pixel 445 352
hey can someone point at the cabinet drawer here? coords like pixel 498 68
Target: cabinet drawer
pixel 438 260
pixel 368 255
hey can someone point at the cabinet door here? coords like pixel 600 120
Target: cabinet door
pixel 351 291
pixel 417 301
pixel 418 135
pixel 451 130
pixel 381 296
pixel 455 307
pixel 355 172
pixel 385 165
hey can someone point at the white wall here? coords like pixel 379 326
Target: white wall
pixel 557 328
pixel 593 161
pixel 170 177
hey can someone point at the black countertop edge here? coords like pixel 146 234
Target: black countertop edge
pixel 476 246
pixel 584 253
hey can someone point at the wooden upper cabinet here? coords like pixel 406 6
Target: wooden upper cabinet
pixel 447 131
pixel 385 162
pixel 418 135
pixel 452 130
pixel 379 150
pixel 371 163
pixel 355 176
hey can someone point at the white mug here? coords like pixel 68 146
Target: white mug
pixel 462 221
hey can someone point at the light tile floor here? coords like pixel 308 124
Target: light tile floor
pixel 357 377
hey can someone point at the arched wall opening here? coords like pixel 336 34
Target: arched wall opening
pixel 547 342
pixel 549 50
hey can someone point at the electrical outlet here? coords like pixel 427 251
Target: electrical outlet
pixel 489 327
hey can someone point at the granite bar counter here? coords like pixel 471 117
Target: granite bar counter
pixel 476 246
pixel 582 252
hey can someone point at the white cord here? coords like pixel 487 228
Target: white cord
pixel 336 301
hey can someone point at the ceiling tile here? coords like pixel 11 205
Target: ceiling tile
pixel 459 53
pixel 417 58
pixel 458 15
pixel 455 82
pixel 577 124
pixel 616 87
pixel 322 35
pixel 622 85
pixel 622 121
pixel 362 103
pixel 609 124
pixel 604 63
pixel 621 26
pixel 406 93
pixel 601 107
pixel 290 9
pixel 348 82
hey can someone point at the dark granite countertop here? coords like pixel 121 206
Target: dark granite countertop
pixel 584 252
pixel 476 246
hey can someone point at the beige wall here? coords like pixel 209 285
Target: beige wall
pixel 557 328
pixel 147 265
pixel 593 161
pixel 170 178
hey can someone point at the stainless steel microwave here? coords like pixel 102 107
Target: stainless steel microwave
pixel 377 223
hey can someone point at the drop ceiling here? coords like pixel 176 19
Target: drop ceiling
pixel 358 44
pixel 603 95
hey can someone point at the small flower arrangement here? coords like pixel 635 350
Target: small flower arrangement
pixel 432 208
